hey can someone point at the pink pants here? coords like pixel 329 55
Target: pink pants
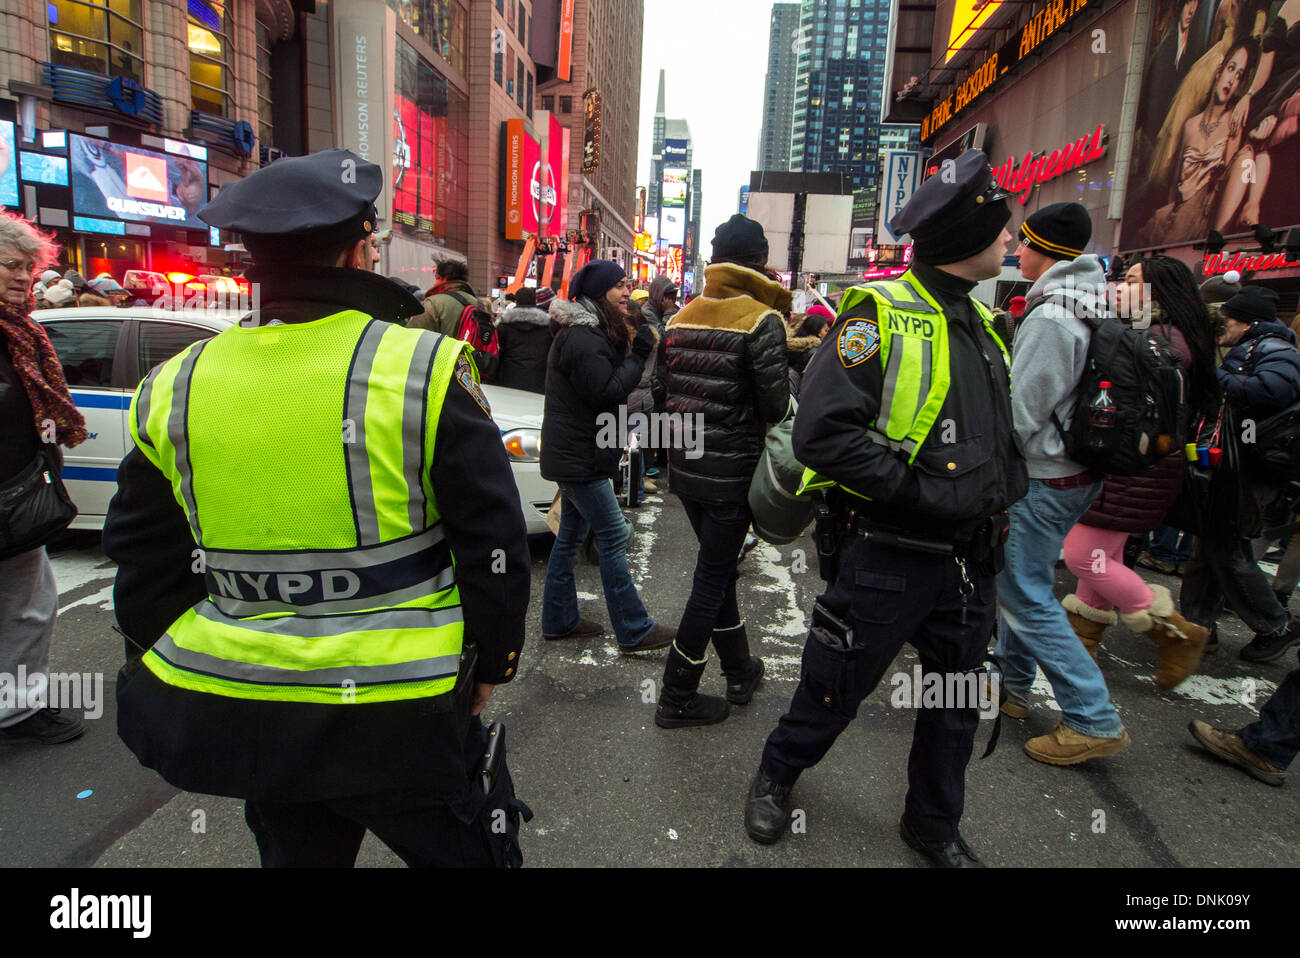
pixel 1096 556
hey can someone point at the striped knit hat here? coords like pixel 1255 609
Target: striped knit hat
pixel 1060 231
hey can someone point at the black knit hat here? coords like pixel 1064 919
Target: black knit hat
pixel 742 240
pixel 1254 304
pixel 596 279
pixel 1060 231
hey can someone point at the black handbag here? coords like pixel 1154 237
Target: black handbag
pixel 34 505
pixel 1218 500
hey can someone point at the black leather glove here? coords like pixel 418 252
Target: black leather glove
pixel 644 343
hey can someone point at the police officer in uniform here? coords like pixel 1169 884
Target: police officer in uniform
pixel 905 422
pixel 285 529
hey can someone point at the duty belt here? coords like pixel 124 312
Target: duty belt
pixel 989 534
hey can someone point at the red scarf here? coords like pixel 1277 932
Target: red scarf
pixel 41 374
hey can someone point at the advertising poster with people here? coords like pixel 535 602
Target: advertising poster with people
pixel 1216 144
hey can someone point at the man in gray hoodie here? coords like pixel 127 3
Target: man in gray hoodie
pixel 1050 350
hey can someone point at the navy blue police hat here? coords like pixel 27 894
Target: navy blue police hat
pixel 958 212
pixel 300 206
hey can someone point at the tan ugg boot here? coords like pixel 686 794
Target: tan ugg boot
pixel 1088 623
pixel 1179 643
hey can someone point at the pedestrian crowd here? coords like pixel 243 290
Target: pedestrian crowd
pixel 953 458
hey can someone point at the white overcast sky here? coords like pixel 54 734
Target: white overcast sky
pixel 715 55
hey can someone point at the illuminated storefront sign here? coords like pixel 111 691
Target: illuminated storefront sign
pixel 1044 23
pixel 1243 262
pixel 675 264
pixel 1033 170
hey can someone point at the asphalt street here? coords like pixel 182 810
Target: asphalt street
pixel 609 788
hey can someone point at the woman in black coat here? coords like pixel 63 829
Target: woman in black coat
pixel 525 339
pixel 593 365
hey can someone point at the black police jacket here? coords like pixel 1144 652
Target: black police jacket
pixel 727 370
pixel 838 403
pixel 219 745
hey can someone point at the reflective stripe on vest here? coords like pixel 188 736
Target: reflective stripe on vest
pixel 365 608
pixel 914 355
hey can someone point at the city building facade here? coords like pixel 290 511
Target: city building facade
pixel 779 87
pixel 118 120
pixel 839 78
pixel 600 106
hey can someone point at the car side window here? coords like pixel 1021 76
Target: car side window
pixel 159 342
pixel 86 349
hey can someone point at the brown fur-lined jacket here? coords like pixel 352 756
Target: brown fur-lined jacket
pixel 726 366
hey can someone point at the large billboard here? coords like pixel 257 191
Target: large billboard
pixel 115 182
pixel 1216 145
pixel 675 151
pixel 672 227
pixel 674 191
pixel 522 160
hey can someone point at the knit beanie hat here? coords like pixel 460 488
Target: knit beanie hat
pixel 596 279
pixel 742 240
pixel 1220 289
pixel 1061 230
pixel 545 295
pixel 1254 304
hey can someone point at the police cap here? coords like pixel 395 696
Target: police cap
pixel 300 206
pixel 956 213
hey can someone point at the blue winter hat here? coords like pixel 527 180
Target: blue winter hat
pixel 596 279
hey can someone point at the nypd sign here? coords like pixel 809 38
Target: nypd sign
pixel 902 176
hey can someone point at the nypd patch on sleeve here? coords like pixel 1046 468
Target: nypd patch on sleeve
pixel 859 341
pixel 465 376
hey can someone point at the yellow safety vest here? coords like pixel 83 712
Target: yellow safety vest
pixel 301 455
pixel 914 354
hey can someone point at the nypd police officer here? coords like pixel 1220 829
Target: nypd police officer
pixel 322 562
pixel 905 423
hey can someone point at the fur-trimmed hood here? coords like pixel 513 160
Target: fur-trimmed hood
pixel 529 315
pixel 801 344
pixel 566 313
pixel 735 298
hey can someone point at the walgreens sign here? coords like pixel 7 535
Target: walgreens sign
pixel 1217 263
pixel 1035 169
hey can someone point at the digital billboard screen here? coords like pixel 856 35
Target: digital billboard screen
pixel 672 227
pixel 40 168
pixel 8 165
pixel 113 181
pixel 674 192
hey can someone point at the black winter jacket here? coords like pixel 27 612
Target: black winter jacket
pixel 798 350
pixel 525 339
pixel 1261 374
pixel 585 378
pixel 726 364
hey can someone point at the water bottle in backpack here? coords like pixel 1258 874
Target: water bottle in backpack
pixel 1102 415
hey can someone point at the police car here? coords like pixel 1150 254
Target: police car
pixel 106 352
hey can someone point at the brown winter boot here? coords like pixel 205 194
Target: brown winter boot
pixel 1180 643
pixel 1088 623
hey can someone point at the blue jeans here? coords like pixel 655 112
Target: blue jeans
pixel 1275 737
pixel 592 503
pixel 1034 626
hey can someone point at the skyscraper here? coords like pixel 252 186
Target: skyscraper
pixel 839 76
pixel 778 90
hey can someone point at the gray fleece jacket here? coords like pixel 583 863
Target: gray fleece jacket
pixel 1047 362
